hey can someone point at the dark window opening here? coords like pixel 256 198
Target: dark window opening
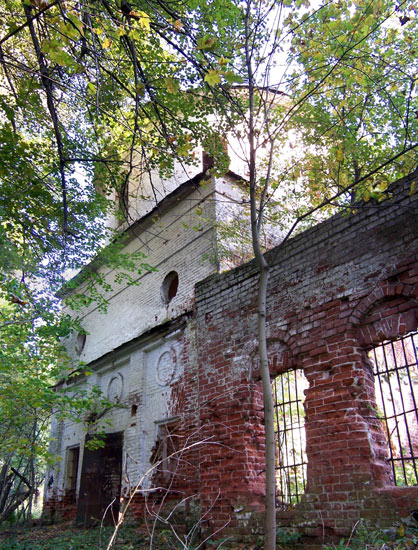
pixel 170 287
pixel 291 461
pixel 207 161
pixel 80 342
pixel 134 409
pixel 166 456
pixel 73 456
pixel 395 367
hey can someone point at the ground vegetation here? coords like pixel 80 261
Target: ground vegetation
pixel 320 100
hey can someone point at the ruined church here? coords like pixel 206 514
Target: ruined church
pixel 177 355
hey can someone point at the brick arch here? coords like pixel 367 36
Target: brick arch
pixel 377 295
pixel 282 351
pixel 390 311
pixel 280 355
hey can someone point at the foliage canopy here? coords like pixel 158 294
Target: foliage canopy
pixel 93 90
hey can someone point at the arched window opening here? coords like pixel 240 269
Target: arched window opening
pixel 395 368
pixel 288 394
pixel 170 287
pixel 80 342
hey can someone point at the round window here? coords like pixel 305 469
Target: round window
pixel 169 287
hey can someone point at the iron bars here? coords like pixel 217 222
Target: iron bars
pixel 395 367
pixel 288 392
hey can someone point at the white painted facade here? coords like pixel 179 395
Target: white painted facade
pixel 181 239
pixel 134 359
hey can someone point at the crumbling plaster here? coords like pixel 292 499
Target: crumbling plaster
pixel 180 237
pixel 333 290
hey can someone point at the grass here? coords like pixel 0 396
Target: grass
pixel 67 537
pixel 60 537
pixel 403 536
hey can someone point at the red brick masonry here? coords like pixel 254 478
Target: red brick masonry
pixel 335 291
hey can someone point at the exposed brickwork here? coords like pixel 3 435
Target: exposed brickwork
pixel 60 508
pixel 335 291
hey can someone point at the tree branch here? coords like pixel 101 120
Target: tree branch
pixel 328 201
pixel 28 21
pixel 48 87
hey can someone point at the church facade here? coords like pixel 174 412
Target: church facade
pixel 177 354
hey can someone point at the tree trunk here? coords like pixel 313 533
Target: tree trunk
pixel 270 497
pixel 256 224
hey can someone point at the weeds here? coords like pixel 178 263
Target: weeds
pixel 286 537
pixel 401 537
pixel 74 539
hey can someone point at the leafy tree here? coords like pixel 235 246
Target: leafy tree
pixel 31 361
pixel 354 87
pixel 351 101
pixel 99 92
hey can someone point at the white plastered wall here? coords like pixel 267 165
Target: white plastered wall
pixel 140 383
pixel 182 240
pixel 233 226
pixel 138 369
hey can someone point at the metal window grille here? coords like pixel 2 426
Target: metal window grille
pixel 395 367
pixel 288 393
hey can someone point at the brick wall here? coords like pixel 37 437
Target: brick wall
pixel 334 291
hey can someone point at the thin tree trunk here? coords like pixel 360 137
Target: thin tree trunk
pixel 270 453
pixel 270 497
pixel 256 226
pixel 256 213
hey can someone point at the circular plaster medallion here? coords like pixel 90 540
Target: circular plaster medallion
pixel 115 388
pixel 166 368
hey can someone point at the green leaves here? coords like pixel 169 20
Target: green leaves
pixel 172 84
pixel 55 50
pixel 353 87
pixel 232 77
pixel 213 77
pixel 207 42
